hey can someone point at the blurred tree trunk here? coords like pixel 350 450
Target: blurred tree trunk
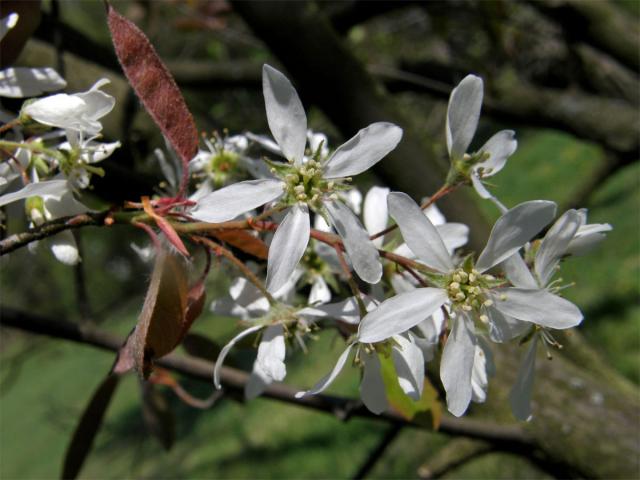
pixel 584 421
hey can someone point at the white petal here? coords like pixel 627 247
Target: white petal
pixel 346 311
pixel 479 187
pixel 400 313
pixel 483 368
pixel 64 205
pixel 518 273
pixel 271 353
pixel 229 202
pixel 246 294
pixel 419 233
pixel 375 214
pixel 457 364
pixel 320 292
pixel 21 82
pixel 554 245
pixel 225 351
pixel 363 150
pixel 61 110
pixel 409 363
pixel 328 380
pixel 503 328
pixel 288 289
pixel 288 246
pixel 98 103
pixel 520 396
pixel 361 251
pixel 257 383
pixel 538 306
pixel 285 114
pixel 266 143
pixel 372 391
pixel 500 147
pixel 513 229
pixel 463 113
pixel 454 235
pixel 434 215
pixel 64 248
pixel 55 188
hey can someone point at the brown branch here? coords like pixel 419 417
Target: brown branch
pixel 503 436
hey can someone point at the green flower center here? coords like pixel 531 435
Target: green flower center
pixel 306 183
pixel 467 289
pixel 221 165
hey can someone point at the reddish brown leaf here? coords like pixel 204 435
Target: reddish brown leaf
pixel 161 322
pixel 124 360
pixel 195 304
pixel 88 427
pixel 154 85
pixel 244 241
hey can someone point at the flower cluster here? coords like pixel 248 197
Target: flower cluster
pixel 416 294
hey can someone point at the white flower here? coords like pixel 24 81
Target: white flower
pixel 567 232
pixel 471 293
pixel 79 111
pixel 463 113
pixel 303 185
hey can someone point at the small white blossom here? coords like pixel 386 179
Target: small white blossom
pixel 304 185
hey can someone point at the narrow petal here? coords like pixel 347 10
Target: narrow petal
pixel 372 391
pixel 346 311
pixel 409 363
pixel 513 229
pixel 61 110
pixel 479 187
pixel 246 294
pixel 361 251
pixel 419 233
pixel 463 113
pixel 21 82
pixel 271 353
pixel 375 213
pixel 229 202
pixel 320 292
pixel 288 246
pixel 454 235
pixel 365 149
pixel 328 380
pixel 518 273
pixel 398 314
pixel 225 351
pixel 55 188
pixel 456 365
pixel 483 368
pixel 499 147
pixel 7 23
pixel 554 245
pixel 257 383
pixel 64 248
pixel 538 306
pixel 520 396
pixel 285 114
pixel 503 328
pixel 98 103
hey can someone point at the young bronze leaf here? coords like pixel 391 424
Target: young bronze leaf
pixel 244 241
pixel 154 85
pixel 88 427
pixel 160 325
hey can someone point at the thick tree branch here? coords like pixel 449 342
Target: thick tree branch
pixel 504 437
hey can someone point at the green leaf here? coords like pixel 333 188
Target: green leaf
pixel 427 411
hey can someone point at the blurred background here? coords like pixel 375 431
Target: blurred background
pixel 562 73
